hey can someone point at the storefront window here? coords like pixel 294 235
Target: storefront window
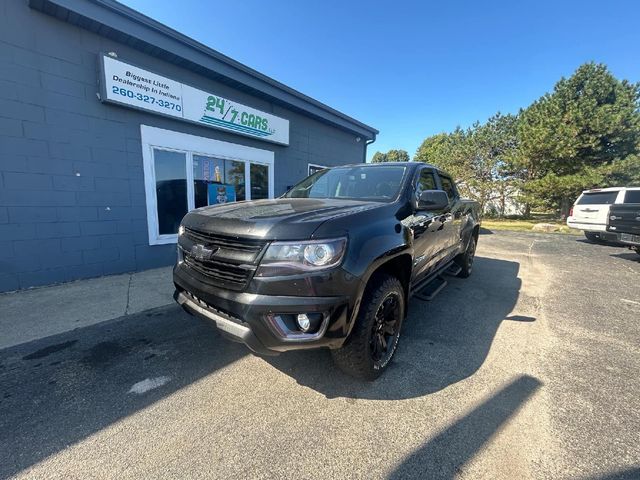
pixel 171 189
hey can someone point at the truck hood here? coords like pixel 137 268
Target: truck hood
pixel 278 219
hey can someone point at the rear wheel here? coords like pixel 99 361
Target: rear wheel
pixel 374 338
pixel 465 260
pixel 592 237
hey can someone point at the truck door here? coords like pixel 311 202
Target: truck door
pixel 426 228
pixel 451 219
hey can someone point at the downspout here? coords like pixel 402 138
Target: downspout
pixel 366 146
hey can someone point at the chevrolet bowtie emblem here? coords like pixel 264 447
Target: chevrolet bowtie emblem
pixel 200 252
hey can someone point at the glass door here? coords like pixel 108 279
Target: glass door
pixel 259 181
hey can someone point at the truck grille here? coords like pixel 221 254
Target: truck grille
pixel 232 263
pixel 239 244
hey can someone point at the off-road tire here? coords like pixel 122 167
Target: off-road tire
pixel 355 357
pixel 465 259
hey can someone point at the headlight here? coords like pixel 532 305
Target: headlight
pixel 288 258
pixel 180 230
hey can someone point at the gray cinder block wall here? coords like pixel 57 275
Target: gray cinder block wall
pixel 72 201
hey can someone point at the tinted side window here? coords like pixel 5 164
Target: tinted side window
pixel 632 196
pixel 598 198
pixel 447 186
pixel 426 181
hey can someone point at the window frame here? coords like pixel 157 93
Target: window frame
pixel 158 138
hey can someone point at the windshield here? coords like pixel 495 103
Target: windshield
pixel 379 183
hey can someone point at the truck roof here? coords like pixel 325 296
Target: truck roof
pixel 404 164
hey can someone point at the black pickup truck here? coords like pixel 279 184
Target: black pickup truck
pixel 332 263
pixel 624 220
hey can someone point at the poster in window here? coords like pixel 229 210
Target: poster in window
pixel 220 193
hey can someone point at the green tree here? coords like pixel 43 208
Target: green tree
pixel 578 137
pixel 391 156
pixel 479 157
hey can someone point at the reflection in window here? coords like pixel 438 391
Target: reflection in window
pixel 171 189
pixel 259 181
pixel 234 176
pixel 217 181
pixel 206 170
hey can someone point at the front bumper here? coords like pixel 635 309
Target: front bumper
pixel 253 318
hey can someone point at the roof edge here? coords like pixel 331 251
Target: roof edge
pixel 115 16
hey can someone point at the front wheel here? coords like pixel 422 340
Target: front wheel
pixel 374 338
pixel 465 259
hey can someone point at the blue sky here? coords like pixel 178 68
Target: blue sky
pixel 413 69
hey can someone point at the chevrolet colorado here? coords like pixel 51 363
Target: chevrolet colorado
pixel 332 263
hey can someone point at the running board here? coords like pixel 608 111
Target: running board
pixel 453 270
pixel 433 288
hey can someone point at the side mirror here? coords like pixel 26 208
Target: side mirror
pixel 433 200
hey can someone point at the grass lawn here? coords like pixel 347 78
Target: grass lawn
pixel 521 225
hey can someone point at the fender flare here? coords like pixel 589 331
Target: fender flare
pixel 373 267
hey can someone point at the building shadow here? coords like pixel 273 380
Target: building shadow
pixel 59 390
pixel 443 341
pixel 444 456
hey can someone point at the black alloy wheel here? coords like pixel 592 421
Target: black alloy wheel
pixel 376 332
pixel 465 259
pixel 384 331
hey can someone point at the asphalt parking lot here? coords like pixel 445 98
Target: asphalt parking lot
pixel 528 369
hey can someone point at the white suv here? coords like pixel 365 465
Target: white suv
pixel 591 210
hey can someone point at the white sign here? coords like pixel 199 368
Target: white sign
pixel 132 86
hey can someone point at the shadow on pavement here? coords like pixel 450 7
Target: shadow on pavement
pixel 443 341
pixel 632 256
pixel 632 473
pixel 445 455
pixel 60 390
pixel 601 243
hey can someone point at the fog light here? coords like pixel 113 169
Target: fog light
pixel 303 322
